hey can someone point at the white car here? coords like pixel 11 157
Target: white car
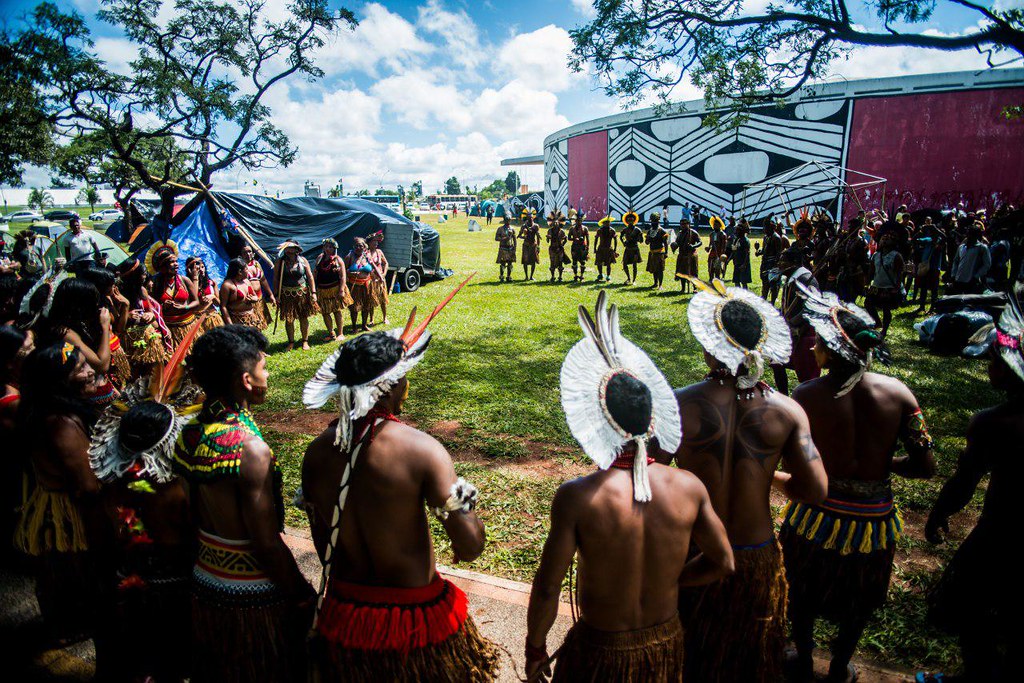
pixel 23 217
pixel 106 215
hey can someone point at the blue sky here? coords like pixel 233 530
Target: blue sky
pixel 426 90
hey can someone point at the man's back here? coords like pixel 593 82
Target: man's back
pixel 734 447
pixel 858 433
pixel 631 554
pixel 384 537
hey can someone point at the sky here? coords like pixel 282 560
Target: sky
pixel 427 90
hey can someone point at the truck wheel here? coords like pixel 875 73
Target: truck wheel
pixel 411 279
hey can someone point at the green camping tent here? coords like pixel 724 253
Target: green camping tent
pixel 116 255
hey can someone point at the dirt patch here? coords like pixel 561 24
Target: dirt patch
pixel 305 422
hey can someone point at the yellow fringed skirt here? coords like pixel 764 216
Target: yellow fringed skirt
pixel 50 522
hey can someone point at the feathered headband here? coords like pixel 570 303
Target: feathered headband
pixel 706 314
pixel 355 402
pixel 631 219
pixel 108 456
pixel 151 264
pixel 605 222
pixel 586 373
pixel 822 310
pixel 1010 332
pixel 556 218
pixel 52 279
pixel 803 224
pixel 527 213
pixel 717 223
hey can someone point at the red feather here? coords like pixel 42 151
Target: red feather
pixel 173 372
pixel 411 338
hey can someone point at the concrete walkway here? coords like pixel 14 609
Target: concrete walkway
pixel 498 606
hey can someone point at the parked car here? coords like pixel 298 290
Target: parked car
pixel 60 215
pixel 106 215
pixel 25 216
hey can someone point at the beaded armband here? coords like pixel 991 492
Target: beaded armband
pixel 917 432
pixel 462 499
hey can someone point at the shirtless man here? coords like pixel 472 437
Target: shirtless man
pixel 386 613
pixel 839 552
pixel 605 242
pixel 736 431
pixel 556 239
pixel 658 238
pixel 505 236
pixel 245 581
pixel 579 236
pixel 687 242
pixel 631 523
pixel 631 236
pixel 976 595
pixel 530 235
pixel 770 250
pixel 717 249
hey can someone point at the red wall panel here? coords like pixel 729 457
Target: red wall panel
pixel 588 174
pixel 938 149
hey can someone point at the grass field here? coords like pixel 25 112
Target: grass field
pixel 488 389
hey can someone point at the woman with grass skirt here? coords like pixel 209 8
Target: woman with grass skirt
pixel 239 305
pixel 180 302
pixel 144 329
pixel 332 289
pixel 296 291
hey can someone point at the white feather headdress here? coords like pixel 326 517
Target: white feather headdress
pixel 705 316
pixel 1010 332
pixel 590 365
pixel 356 401
pixel 821 310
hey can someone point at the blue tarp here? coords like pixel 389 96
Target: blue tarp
pixel 199 235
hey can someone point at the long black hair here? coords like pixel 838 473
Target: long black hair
pixel 12 340
pixel 203 280
pixel 76 308
pixel 132 277
pixel 46 388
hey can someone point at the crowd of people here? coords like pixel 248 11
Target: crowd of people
pixel 889 259
pixel 154 518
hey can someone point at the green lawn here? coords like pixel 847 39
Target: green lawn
pixel 493 367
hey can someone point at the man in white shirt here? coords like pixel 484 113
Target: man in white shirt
pixel 81 249
pixel 971 264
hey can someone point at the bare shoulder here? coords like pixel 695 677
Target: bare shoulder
pixel 690 393
pixel 415 446
pixel 686 483
pixel 320 448
pixel 809 390
pixel 789 405
pixel 257 459
pixel 890 386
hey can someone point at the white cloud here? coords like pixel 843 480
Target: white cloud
pixel 876 62
pixel 381 38
pixel 117 53
pixel 456 29
pixel 585 7
pixel 541 57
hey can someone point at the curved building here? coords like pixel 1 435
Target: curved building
pixel 937 139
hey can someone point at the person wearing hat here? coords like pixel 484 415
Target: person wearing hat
pixel 296 291
pixel 605 248
pixel 976 597
pixel 631 522
pixel 505 236
pixel 81 249
pixel 332 288
pixel 839 551
pixel 556 239
pixel 658 238
pixel 736 432
pixel 147 508
pixel 579 236
pixel 368 479
pixel 687 242
pixel 529 233
pixel 180 303
pixel 379 277
pixel 717 249
pixel 631 236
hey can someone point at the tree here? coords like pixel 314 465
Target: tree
pixel 512 182
pixel 451 186
pixel 196 88
pixel 26 136
pixel 742 57
pixel 493 191
pixel 417 189
pixel 39 199
pixel 91 196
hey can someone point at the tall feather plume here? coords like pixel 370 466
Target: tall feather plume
pixel 605 331
pixel 410 338
pixel 168 378
pixel 594 332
